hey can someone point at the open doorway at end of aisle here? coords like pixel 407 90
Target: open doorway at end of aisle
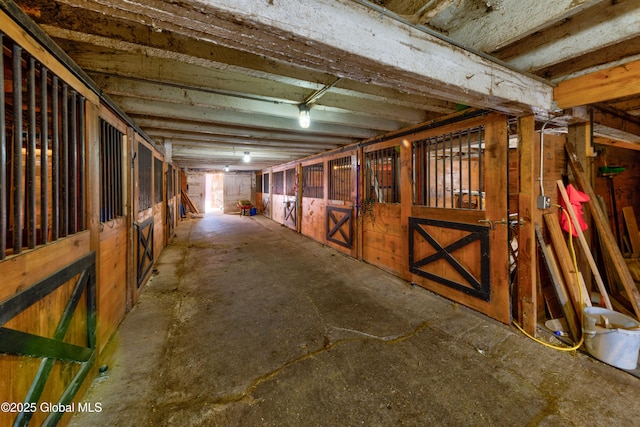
pixel 214 191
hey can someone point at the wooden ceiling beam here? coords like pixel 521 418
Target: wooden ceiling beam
pixel 352 43
pixel 502 24
pixel 354 111
pixel 605 85
pixel 212 115
pixel 160 124
pixel 595 28
pixel 222 141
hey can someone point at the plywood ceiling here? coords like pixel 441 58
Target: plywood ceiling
pixel 217 78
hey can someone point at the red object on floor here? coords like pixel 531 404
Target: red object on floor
pixel 245 209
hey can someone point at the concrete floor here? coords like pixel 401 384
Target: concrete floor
pixel 246 323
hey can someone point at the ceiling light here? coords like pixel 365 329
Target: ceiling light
pixel 247 157
pixel 226 168
pixel 304 116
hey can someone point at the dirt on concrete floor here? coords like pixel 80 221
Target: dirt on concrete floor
pixel 246 323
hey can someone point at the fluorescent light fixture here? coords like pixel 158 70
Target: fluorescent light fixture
pixel 304 116
pixel 247 157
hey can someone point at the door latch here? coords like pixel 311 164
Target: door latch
pixel 492 224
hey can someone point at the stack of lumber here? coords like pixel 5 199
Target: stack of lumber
pixel 188 203
pixel 617 263
pixel 558 258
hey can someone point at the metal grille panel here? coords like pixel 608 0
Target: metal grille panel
pixel 313 181
pixel 448 170
pixel 382 175
pixel 340 182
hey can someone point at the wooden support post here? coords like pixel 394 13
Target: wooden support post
pixel 359 223
pixel 406 199
pixel 527 268
pixel 585 246
pixel 299 205
pixel 602 224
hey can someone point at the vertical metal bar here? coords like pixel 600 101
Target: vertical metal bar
pixel 435 176
pixel 480 174
pixel 460 169
pixel 345 177
pixel 444 171
pixel 469 163
pixel 82 167
pixel 451 190
pixel 386 164
pixel 341 178
pixel 108 172
pixel 119 210
pixel 382 172
pixel 17 149
pixel 3 159
pixel 73 164
pixel 103 215
pixel 396 178
pixel 55 159
pixel 110 165
pixel 64 167
pixel 415 163
pixel 44 156
pixel 344 182
pixel 30 165
pixel 419 181
pixel 428 167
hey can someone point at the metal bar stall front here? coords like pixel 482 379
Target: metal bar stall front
pixel 3 160
pixel 44 156
pixel 30 164
pixel 17 149
pixel 55 159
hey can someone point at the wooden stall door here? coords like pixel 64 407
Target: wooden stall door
pixel 340 227
pixel 461 252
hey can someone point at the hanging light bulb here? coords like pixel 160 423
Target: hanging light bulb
pixel 226 168
pixel 304 116
pixel 247 157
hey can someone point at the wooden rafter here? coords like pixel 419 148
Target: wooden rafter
pixel 600 86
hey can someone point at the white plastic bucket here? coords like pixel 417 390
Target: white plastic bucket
pixel 619 344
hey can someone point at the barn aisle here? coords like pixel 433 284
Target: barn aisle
pixel 247 323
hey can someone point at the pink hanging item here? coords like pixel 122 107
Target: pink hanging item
pixel 576 198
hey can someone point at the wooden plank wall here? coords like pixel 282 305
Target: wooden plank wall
pixel 113 253
pixel 18 372
pixel 277 208
pixel 112 242
pixel 383 240
pixel 625 184
pixel 314 218
pixel 112 278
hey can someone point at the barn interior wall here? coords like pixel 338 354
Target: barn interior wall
pixel 238 186
pixel 92 227
pixel 196 187
pixel 380 234
pixel 623 185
